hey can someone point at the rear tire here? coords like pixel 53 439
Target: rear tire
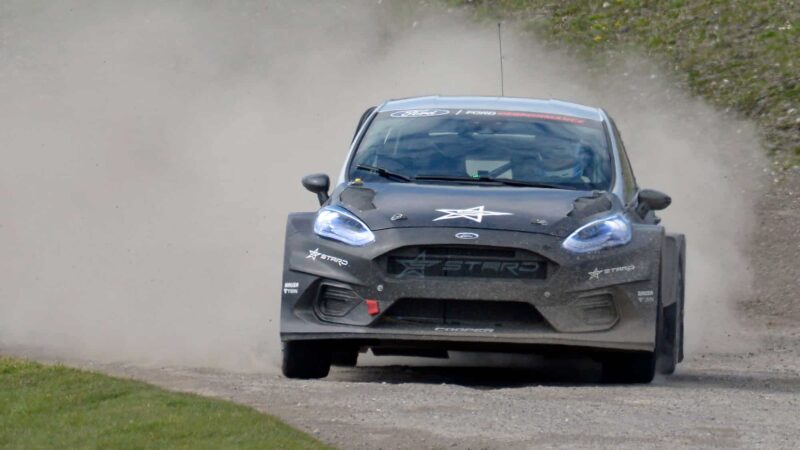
pixel 305 360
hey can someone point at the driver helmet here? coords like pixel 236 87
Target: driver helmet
pixel 563 164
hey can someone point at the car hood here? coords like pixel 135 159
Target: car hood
pixel 536 210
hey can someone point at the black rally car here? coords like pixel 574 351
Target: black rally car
pixel 483 224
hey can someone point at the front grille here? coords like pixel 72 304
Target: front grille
pixel 473 313
pixel 465 261
pixel 336 301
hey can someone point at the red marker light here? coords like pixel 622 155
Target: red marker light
pixel 373 307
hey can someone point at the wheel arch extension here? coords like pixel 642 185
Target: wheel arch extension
pixel 673 260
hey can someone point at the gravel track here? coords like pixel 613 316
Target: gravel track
pixel 746 399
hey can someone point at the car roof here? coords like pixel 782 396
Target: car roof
pixel 498 103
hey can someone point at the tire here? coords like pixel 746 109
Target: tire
pixel 345 358
pixel 682 299
pixel 305 360
pixel 671 348
pixel 668 354
pixel 635 367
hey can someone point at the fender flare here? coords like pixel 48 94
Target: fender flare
pixel 673 259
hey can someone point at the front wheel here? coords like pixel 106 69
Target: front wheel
pixel 305 360
pixel 671 348
pixel 635 367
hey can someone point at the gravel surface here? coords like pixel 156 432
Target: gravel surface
pixel 775 252
pixel 747 399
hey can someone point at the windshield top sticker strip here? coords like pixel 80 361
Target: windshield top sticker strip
pixel 419 113
pixel 574 120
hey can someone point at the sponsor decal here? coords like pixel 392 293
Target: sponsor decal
pixel 416 267
pixel 314 254
pixel 464 330
pixel 595 274
pixel 542 116
pixel 290 287
pixel 467 236
pixel 524 115
pixel 480 113
pixel 475 214
pixel 423 266
pixel 646 296
pixel 398 216
pixel 420 113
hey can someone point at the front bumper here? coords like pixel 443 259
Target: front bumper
pixel 603 301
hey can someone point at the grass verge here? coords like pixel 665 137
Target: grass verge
pixel 57 407
pixel 742 55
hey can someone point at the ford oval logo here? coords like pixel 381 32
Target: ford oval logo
pixel 467 235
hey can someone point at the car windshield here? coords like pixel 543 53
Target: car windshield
pixel 484 146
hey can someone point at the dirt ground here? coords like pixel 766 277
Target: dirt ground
pixel 775 252
pixel 724 400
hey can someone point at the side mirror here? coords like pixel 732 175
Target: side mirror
pixel 654 200
pixel 318 183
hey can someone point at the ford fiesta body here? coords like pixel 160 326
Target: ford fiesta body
pixel 483 224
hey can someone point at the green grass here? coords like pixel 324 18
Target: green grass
pixel 742 55
pixel 54 407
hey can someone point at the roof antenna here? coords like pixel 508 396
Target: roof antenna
pixel 500 41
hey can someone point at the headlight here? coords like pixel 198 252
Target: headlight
pixel 609 232
pixel 341 225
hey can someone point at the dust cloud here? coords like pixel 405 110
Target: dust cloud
pixel 151 152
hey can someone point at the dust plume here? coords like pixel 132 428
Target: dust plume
pixel 151 152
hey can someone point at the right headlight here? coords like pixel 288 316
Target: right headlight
pixel 603 233
pixel 339 224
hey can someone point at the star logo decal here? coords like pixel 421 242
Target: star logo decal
pixel 312 254
pixel 595 274
pixel 475 214
pixel 416 266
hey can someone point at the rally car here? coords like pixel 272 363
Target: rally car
pixel 483 224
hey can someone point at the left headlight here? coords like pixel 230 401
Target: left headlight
pixel 604 233
pixel 341 225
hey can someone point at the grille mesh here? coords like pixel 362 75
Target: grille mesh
pixel 464 313
pixel 337 301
